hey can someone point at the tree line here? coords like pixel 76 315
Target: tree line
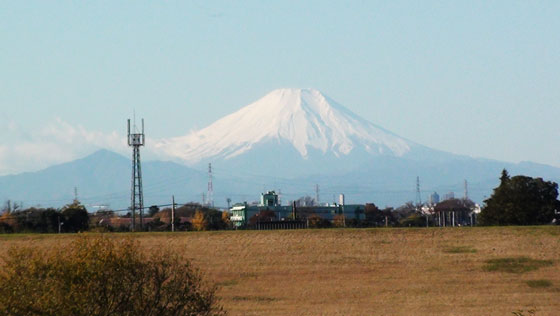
pixel 71 218
pixel 518 200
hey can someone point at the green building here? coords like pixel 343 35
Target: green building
pixel 241 213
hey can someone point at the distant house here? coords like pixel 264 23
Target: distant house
pixel 455 212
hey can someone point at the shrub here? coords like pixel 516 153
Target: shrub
pixel 316 221
pixel 459 249
pixel 99 276
pixel 515 264
pixel 339 220
pixel 539 283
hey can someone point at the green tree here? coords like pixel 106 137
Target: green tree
pixel 373 215
pixel 413 220
pixel 215 221
pixel 153 210
pixel 76 217
pixel 521 200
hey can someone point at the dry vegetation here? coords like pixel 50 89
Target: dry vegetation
pixel 368 271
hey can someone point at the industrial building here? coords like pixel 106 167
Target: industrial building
pixel 241 213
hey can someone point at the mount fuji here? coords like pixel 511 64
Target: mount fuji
pixel 292 132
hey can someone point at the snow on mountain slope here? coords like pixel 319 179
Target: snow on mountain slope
pixel 305 118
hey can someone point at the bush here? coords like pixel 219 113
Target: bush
pixel 539 283
pixel 414 220
pixel 99 276
pixel 515 264
pixel 316 221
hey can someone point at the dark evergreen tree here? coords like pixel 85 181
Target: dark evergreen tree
pixel 76 217
pixel 521 200
pixel 373 215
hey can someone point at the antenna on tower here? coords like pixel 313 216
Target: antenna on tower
pixel 317 194
pixel 466 195
pixel 135 140
pixel 210 196
pixel 418 196
pixel 75 194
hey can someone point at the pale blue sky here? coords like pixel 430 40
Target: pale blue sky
pixel 479 78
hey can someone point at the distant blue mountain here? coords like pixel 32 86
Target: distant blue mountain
pixel 104 178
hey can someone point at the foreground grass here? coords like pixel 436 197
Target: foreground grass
pixel 366 271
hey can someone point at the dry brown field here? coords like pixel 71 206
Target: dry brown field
pixel 435 271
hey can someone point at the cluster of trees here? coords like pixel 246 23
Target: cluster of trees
pixel 197 217
pixel 71 218
pixel 522 200
pixel 75 218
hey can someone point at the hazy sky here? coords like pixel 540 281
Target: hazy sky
pixel 479 78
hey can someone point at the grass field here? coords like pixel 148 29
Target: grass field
pixel 451 271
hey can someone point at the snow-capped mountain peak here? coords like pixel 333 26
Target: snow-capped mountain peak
pixel 304 118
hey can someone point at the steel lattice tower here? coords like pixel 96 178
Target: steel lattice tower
pixel 418 196
pixel 210 197
pixel 135 140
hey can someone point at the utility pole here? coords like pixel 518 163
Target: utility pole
pixel 59 224
pixel 135 140
pixel 173 213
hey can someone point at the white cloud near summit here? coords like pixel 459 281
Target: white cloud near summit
pixel 57 142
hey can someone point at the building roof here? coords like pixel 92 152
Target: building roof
pixel 452 205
